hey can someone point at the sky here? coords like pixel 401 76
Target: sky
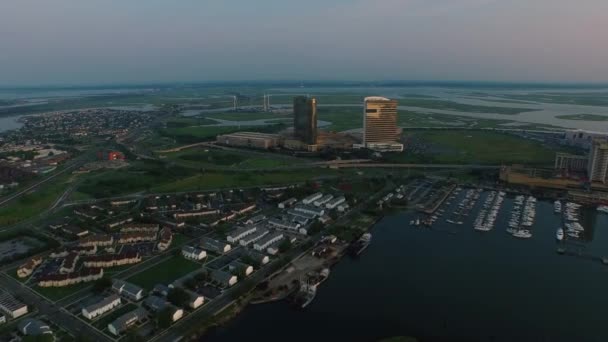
pixel 127 41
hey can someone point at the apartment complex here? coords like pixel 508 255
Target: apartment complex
pixel 598 161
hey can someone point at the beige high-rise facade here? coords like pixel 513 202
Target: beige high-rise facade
pixel 598 161
pixel 380 131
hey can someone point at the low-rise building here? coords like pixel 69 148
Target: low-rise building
pixel 81 251
pixel 190 214
pixel 99 240
pixel 119 222
pixel 259 258
pixel 105 305
pixel 60 280
pixel 249 139
pixel 2 319
pixel 237 266
pixel 241 232
pixel 310 199
pixel 193 253
pixel 68 265
pixel 310 210
pixel 124 322
pixel 267 241
pixel 136 237
pixel 301 214
pixel 74 231
pixel 256 219
pixel 11 306
pixel 127 290
pixel 157 304
pixel 28 268
pixel 284 224
pixel 139 227
pixel 113 260
pixel 34 327
pixel 224 278
pixel 215 246
pixel 335 202
pixel 161 289
pixel 246 241
pixel 165 239
pixel 287 203
pixel 195 300
pixel 323 200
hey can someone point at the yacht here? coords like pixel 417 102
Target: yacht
pixel 560 234
pixel 523 234
pixel 557 206
pixel 603 209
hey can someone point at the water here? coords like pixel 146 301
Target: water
pixel 441 286
pixel 8 123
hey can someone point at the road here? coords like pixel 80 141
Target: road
pixel 59 316
pixel 14 196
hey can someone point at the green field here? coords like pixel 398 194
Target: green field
pixel 217 180
pixel 461 107
pixel 475 147
pixel 58 293
pixel 34 202
pixel 199 157
pixel 181 121
pixel 583 117
pixel 194 134
pixel 247 116
pixel 164 273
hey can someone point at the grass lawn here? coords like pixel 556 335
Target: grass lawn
pixel 35 202
pixel 164 273
pixel 461 107
pixel 179 240
pixel 216 180
pixel 475 147
pixel 583 117
pixel 102 323
pixel 57 293
pixel 261 163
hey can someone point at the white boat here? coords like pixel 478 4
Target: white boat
pixel 603 209
pixel 560 234
pixel 523 234
pixel 557 206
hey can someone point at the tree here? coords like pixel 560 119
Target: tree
pixel 164 318
pixel 285 246
pixel 102 284
pixel 178 297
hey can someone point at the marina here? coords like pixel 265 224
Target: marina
pixel 463 284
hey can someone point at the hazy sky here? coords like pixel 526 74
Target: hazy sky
pixel 90 41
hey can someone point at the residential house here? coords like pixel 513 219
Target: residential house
pixel 126 321
pixel 193 253
pixel 105 305
pixel 127 290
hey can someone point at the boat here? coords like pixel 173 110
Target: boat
pixel 305 295
pixel 318 278
pixel 560 234
pixel 361 244
pixel 417 222
pixel 557 207
pixel 523 234
pixel 603 209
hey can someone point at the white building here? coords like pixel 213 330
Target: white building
pixel 101 307
pixel 193 253
pixel 310 210
pixel 335 202
pixel 283 224
pixel 287 203
pixel 267 241
pixel 195 300
pixel 236 235
pixel 224 278
pixel 254 237
pixel 312 198
pixel 323 200
pixel 236 266
pixel 215 246
pixel 127 290
pixel 124 322
pixel 11 306
pixel 260 258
